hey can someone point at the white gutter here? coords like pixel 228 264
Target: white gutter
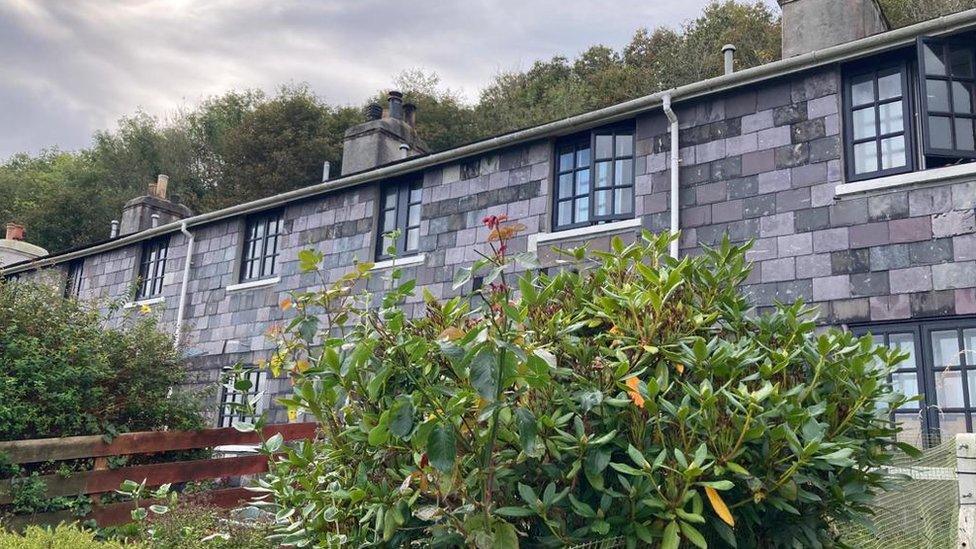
pixel 675 173
pixel 614 113
pixel 181 306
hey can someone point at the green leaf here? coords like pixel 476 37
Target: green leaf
pixel 527 494
pixel 693 535
pixel 505 536
pixel 484 374
pixel 401 422
pixel 637 457
pixel 243 426
pixel 626 469
pixel 441 448
pixel 274 443
pixel 159 509
pixel 597 460
pixel 308 260
pixel 528 432
pixel 671 537
pixel 308 328
pixel 514 512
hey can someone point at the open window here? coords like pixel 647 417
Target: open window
pixel 946 78
pixel 594 177
pixel 399 210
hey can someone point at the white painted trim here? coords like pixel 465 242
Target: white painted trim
pixel 571 234
pixel 141 302
pixel 935 175
pixel 400 262
pixel 253 284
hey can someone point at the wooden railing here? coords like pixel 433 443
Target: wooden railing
pixel 103 479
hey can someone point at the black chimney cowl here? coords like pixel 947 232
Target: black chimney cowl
pixel 396 105
pixel 373 112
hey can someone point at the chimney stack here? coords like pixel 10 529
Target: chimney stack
pixel 15 231
pixel 387 135
pixel 114 231
pixel 811 25
pixel 151 210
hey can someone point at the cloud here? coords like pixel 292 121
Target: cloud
pixel 70 68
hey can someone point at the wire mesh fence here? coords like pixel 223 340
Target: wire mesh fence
pixel 922 510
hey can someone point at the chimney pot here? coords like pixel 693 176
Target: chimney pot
pixel 115 229
pixel 162 183
pixel 728 51
pixel 373 111
pixel 410 114
pixel 396 105
pixel 326 170
pixel 15 231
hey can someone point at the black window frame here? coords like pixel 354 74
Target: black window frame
pixel 408 194
pixel 925 112
pixel 227 412
pixel 257 249
pixel 584 141
pixel 152 268
pixel 929 410
pixel 74 277
pixel 878 67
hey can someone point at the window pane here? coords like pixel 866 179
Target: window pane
pixel 413 215
pixel 413 239
pixel 864 123
pixel 951 425
pixel 933 60
pixel 904 343
pixel 890 117
pixel 862 89
pixel 623 200
pixel 389 221
pixel 962 98
pixel 582 210
pixel 583 182
pixel 566 161
pixel 415 195
pixel 906 383
pixel 937 92
pixel 948 389
pixel 865 157
pixel 940 132
pixel 387 244
pixel 565 213
pixel 911 428
pixel 625 145
pixel 390 201
pixel 566 185
pixel 604 146
pixel 889 86
pixel 945 349
pixel 964 134
pixel 893 152
pixel 961 62
pixel 602 175
pixel 969 342
pixel 583 157
pixel 602 204
pixel 623 172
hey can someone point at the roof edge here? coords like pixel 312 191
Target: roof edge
pixel 841 52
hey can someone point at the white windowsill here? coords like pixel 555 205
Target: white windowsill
pixel 935 175
pixel 570 234
pixel 141 302
pixel 253 284
pixel 400 262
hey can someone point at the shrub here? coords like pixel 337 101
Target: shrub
pixel 63 373
pixel 634 396
pixel 35 537
pixel 193 523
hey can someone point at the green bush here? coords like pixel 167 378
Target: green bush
pixel 62 373
pixel 193 523
pixel 632 396
pixel 63 536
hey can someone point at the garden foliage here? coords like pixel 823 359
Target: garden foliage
pixel 630 396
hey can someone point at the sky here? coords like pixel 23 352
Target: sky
pixel 68 69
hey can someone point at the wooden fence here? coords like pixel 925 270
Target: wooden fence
pixel 102 479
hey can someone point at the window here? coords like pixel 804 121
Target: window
pixel 941 367
pixel 72 284
pixel 594 178
pixel 235 393
pixel 946 75
pixel 878 121
pixel 938 82
pixel 152 267
pixel 399 210
pixel 260 259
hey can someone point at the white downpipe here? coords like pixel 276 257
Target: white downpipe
pixel 675 174
pixel 181 307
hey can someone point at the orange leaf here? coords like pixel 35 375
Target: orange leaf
pixel 634 394
pixel 680 367
pixel 719 506
pixel 286 304
pixel 451 333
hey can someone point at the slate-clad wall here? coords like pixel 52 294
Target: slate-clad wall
pixel 760 163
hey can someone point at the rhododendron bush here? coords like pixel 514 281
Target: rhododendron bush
pixel 623 396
